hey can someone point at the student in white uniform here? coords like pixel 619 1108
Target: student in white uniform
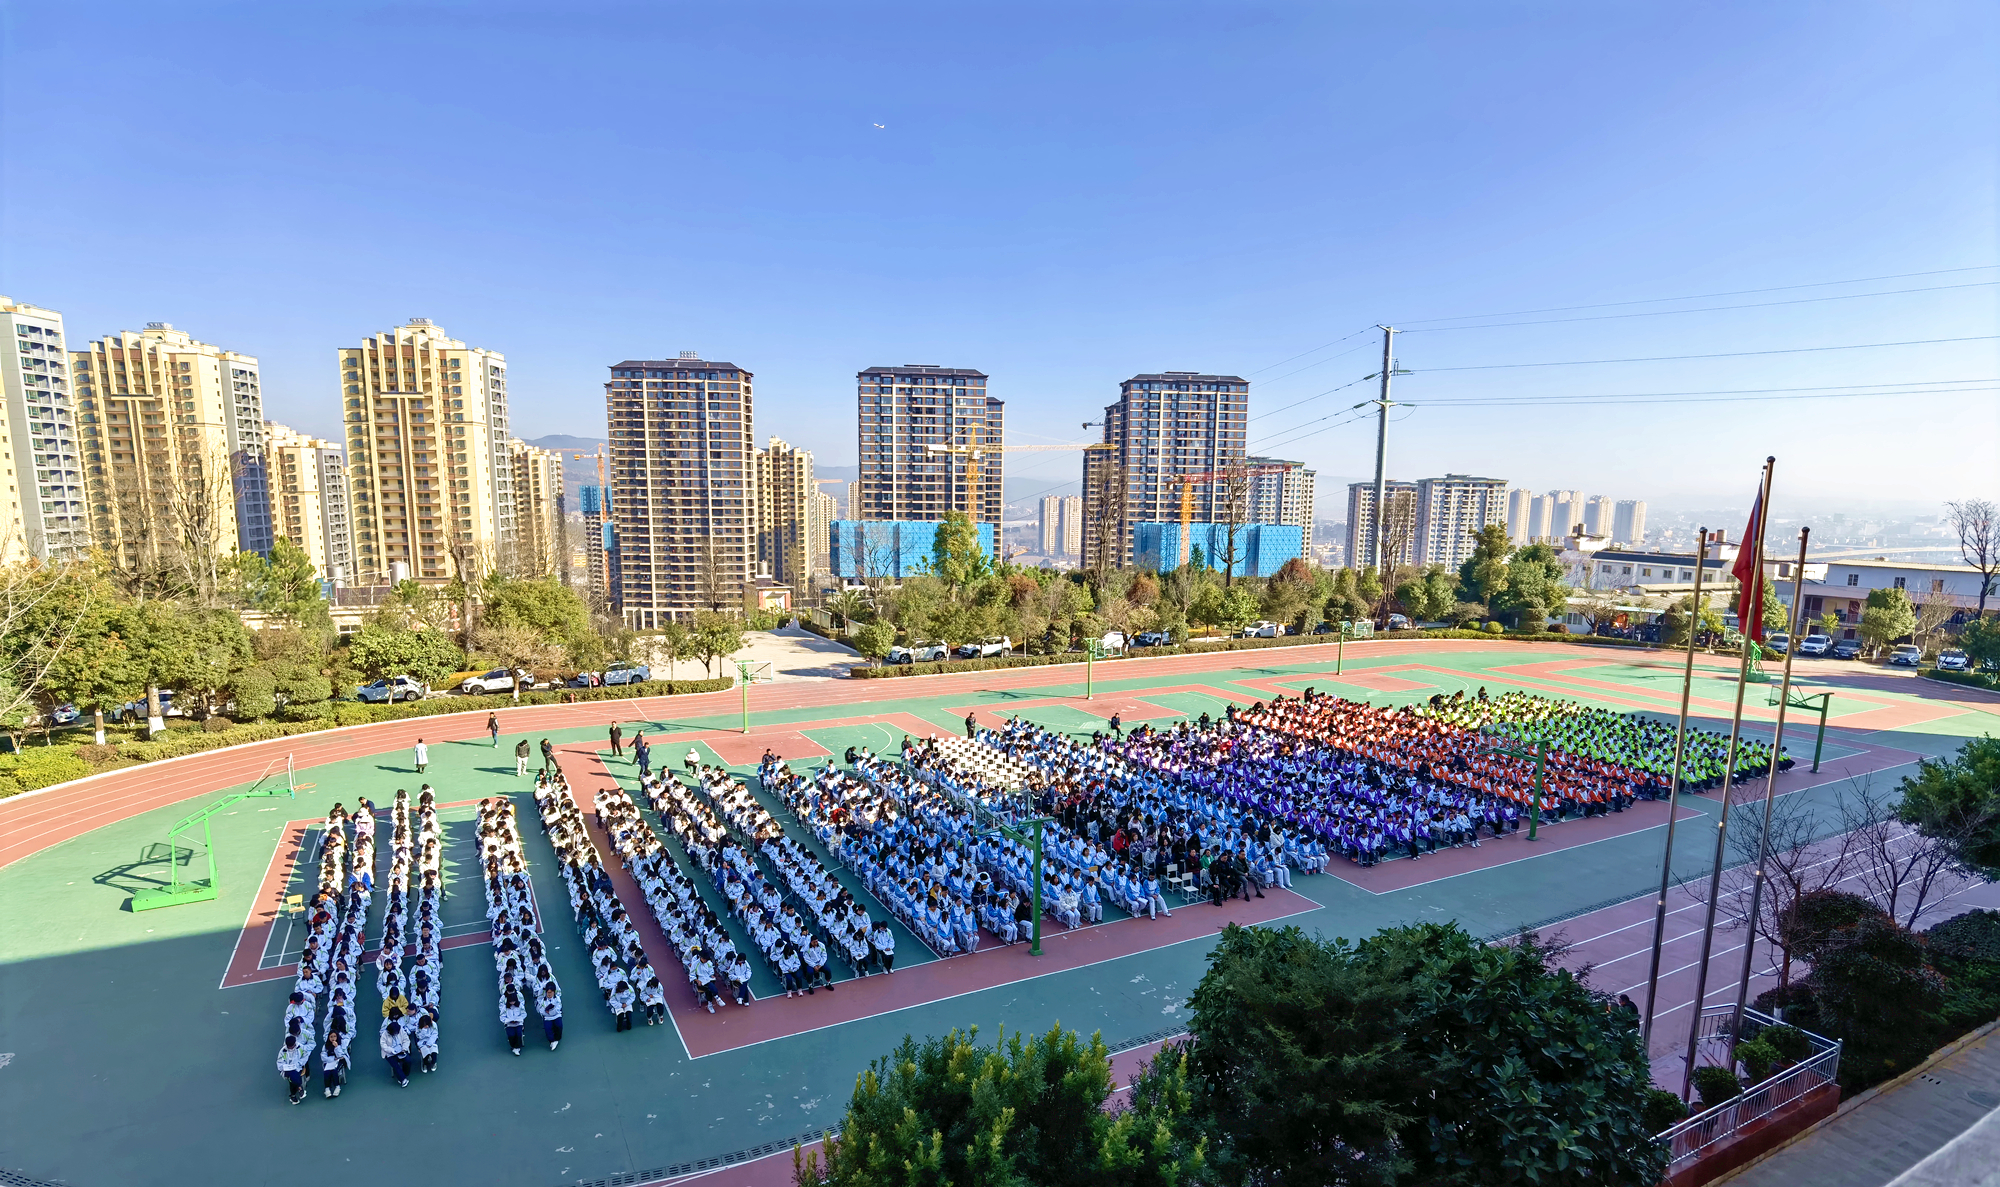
pixel 884 941
pixel 653 998
pixel 621 1000
pixel 333 1065
pixel 427 1043
pixel 513 1016
pixel 292 1065
pixel 549 1006
pixel 396 1050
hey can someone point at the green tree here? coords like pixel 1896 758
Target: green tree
pixel 957 558
pixel 285 586
pixel 1534 587
pixel 1956 800
pixel 543 620
pixel 382 648
pixel 1483 575
pixel 1296 1063
pixel 874 640
pixel 216 647
pixel 1888 617
pixel 1871 985
pixel 676 640
pixel 62 642
pixel 1828 623
pixel 1239 607
pixel 1981 641
pixel 1207 609
pixel 1524 1076
pixel 1345 603
pixel 714 636
pixel 1368 587
pixel 1026 1112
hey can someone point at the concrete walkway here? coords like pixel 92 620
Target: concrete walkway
pixel 795 653
pixel 1940 1127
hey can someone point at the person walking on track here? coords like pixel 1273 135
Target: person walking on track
pixel 423 755
pixel 493 728
pixel 617 739
pixel 521 754
pixel 971 725
pixel 548 756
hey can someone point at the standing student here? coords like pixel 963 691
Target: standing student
pixel 971 725
pixel 423 755
pixel 396 1050
pixel 513 1016
pixel 521 753
pixel 549 1006
pixel 548 756
pixel 643 753
pixel 292 1065
pixel 493 728
pixel 617 739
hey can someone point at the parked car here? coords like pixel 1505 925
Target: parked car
pixel 1399 622
pixel 1152 639
pixel 1951 659
pixel 989 648
pixel 1778 644
pixel 627 673
pixel 1846 649
pixel 64 714
pixel 134 710
pixel 1262 630
pixel 392 688
pixel 1815 644
pixel 1112 641
pixel 918 651
pixel 497 680
pixel 1907 654
pixel 584 680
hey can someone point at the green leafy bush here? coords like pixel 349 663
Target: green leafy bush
pixel 1975 679
pixel 1788 1042
pixel 1663 1110
pixel 216 724
pixel 1974 935
pixel 1758 1058
pixel 1716 1085
pixel 1494 628
pixel 255 693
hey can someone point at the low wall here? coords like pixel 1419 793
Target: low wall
pixel 1759 1137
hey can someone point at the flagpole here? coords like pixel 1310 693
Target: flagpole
pixel 1770 792
pixel 1756 545
pixel 1674 796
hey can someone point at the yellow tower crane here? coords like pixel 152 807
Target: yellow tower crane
pixel 971 453
pixel 1188 482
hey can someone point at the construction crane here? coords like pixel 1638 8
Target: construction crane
pixel 971 454
pixel 1188 482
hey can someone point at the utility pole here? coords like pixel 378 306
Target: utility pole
pixel 1382 404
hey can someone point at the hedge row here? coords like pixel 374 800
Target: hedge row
pixel 1974 679
pixel 39 767
pixel 1225 643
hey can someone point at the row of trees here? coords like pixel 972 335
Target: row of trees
pixel 1419 1055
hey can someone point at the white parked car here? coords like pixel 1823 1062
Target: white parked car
pixel 1815 644
pixel 497 680
pixel 623 672
pixel 1262 630
pixel 990 648
pixel 917 651
pixel 1907 653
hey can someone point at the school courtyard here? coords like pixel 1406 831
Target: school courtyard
pixel 139 1047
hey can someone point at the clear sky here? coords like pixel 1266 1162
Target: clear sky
pixel 1062 196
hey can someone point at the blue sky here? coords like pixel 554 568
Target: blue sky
pixel 1062 196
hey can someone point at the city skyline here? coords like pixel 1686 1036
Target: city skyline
pixel 1647 160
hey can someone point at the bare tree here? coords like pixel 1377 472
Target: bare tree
pixel 1398 526
pixel 1978 541
pixel 1796 862
pixel 1104 513
pixel 1898 866
pixel 714 579
pixel 1234 494
pixel 1934 612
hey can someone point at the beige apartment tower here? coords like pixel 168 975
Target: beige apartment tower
pixel 309 499
pixel 787 506
pixel 903 412
pixel 43 515
pixel 683 479
pixel 539 547
pixel 173 433
pixel 429 474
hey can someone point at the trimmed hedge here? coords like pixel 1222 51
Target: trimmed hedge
pixel 45 766
pixel 1971 679
pixel 1222 643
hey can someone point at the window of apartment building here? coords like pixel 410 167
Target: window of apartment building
pixel 1901 583
pixel 1937 585
pixel 1854 579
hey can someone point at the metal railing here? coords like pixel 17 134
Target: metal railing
pixel 1691 1138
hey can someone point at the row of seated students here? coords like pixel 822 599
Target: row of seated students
pixel 715 970
pixel 410 996
pixel 608 936
pixel 520 960
pixel 789 946
pixel 1145 819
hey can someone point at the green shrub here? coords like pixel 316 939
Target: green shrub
pixel 1974 935
pixel 1975 679
pixel 1663 1110
pixel 96 755
pixel 42 766
pixel 1494 628
pixel 1757 1058
pixel 1789 1043
pixel 216 725
pixel 1716 1085
pixel 255 693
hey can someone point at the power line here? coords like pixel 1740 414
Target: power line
pixel 1723 391
pixel 1310 399
pixel 1309 366
pixel 1936 288
pixel 1734 354
pixel 1315 350
pixel 1696 296
pixel 1580 401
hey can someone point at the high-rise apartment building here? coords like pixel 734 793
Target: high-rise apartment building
pixel 1566 514
pixel 1628 522
pixel 1072 525
pixel 1282 492
pixel 1450 509
pixel 540 545
pixel 44 513
pixel 308 480
pixel 1163 425
pixel 173 431
pixel 819 531
pixel 1399 542
pixel 427 456
pixel 1520 507
pixel 683 487
pixel 903 412
pixel 1051 525
pixel 1541 519
pixel 1597 516
pixel 786 508
pixel 853 500
pixel 596 544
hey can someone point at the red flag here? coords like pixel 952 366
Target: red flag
pixel 1749 573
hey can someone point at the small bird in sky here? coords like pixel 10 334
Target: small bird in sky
pixel 884 126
